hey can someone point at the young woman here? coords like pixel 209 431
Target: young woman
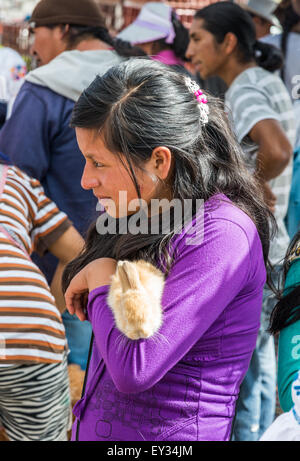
pixel 34 387
pixel 223 42
pixel 147 131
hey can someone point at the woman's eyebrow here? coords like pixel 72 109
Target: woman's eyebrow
pixel 90 156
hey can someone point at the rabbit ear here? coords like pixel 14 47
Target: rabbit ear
pixel 128 275
pixel 122 276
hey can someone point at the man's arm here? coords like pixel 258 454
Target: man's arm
pixel 65 248
pixel 274 154
pixel 275 150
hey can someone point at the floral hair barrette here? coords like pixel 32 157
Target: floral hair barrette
pixel 194 88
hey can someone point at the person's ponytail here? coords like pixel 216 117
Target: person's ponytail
pixel 268 56
pixel 125 49
pixel 121 47
pixel 181 39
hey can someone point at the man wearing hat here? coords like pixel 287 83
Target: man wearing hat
pixel 50 23
pixel 71 46
pixel 262 15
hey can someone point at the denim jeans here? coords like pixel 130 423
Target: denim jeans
pixel 255 409
pixel 78 336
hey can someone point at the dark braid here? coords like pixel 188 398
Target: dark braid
pixel 77 33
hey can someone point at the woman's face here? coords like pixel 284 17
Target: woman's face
pixel 204 52
pixel 105 174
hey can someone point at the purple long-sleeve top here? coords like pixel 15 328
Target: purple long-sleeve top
pixel 183 384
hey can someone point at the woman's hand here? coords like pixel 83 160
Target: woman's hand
pixel 95 274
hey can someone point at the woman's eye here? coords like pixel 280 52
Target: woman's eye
pixel 97 164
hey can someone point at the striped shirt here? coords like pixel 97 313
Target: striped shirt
pixel 257 95
pixel 31 328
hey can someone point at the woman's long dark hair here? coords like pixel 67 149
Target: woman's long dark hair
pixel 285 312
pixel 140 105
pixel 224 17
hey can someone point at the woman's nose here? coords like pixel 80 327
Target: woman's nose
pixel 88 180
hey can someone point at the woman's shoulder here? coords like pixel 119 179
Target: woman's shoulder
pixel 255 76
pixel 219 216
pixel 221 210
pixel 223 235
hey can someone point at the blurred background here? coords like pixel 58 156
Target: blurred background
pixel 119 13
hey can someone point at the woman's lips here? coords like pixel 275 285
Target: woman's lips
pixel 104 200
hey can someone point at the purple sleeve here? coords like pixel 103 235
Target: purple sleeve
pixel 202 282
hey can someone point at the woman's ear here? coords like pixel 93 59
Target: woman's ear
pixel 161 162
pixel 230 43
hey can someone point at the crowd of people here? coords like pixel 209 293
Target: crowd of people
pixel 149 225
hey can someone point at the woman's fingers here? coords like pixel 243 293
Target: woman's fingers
pixel 75 296
pixel 76 301
pixel 76 304
pixel 95 274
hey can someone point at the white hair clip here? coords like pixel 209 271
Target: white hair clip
pixel 194 88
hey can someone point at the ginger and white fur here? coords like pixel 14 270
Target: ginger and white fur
pixel 135 298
